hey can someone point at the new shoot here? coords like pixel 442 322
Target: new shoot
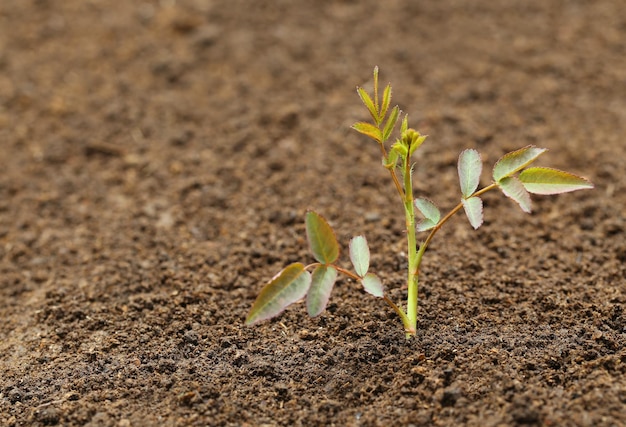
pixel 512 174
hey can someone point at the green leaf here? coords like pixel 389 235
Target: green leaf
pixel 552 181
pixel 368 129
pixel 515 161
pixel 417 142
pixel 431 214
pixel 324 277
pixel 284 289
pixel 474 211
pixel 372 285
pixel 469 167
pixel 391 122
pixel 400 148
pixel 376 93
pixel 360 255
pixel 386 102
pixel 367 100
pixel 405 124
pixel 411 140
pixel 513 188
pixel 321 238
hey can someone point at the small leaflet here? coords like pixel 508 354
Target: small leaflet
pixel 373 285
pixel 548 181
pixel 470 167
pixel 515 161
pixel 369 103
pixel 514 189
pixel 474 211
pixel 368 129
pixel 322 282
pixel 287 287
pixel 384 107
pixel 391 122
pixel 360 255
pixel 321 237
pixel 431 214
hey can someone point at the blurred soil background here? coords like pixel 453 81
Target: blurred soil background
pixel 157 159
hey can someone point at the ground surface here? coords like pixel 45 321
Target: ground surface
pixel 157 161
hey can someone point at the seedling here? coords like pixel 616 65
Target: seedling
pixel 511 175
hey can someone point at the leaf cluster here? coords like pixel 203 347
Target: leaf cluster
pixel 378 111
pixel 511 175
pixel 294 282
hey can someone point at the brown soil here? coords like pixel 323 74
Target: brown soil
pixel 157 161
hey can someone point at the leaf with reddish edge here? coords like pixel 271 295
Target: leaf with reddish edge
pixel 369 103
pixel 386 101
pixel 322 282
pixel 548 181
pixel 391 123
pixel 474 210
pixel 514 189
pixel 287 287
pixel 515 161
pixel 321 237
pixel 405 124
pixel 368 129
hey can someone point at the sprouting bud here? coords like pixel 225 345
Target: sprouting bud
pixel 409 136
pixel 412 139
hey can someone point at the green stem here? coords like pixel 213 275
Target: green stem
pixel 398 310
pixel 392 171
pixel 405 320
pixel 412 277
pixel 445 219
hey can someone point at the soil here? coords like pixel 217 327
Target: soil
pixel 158 158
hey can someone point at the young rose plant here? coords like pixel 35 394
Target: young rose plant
pixel 511 174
